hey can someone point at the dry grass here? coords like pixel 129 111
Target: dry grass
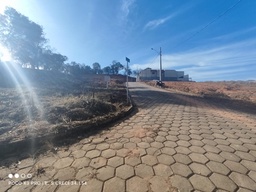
pixel 237 90
pixel 64 104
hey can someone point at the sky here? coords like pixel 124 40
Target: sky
pixel 211 40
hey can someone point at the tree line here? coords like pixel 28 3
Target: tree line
pixel 27 44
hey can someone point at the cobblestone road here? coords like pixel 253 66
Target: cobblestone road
pixel 174 143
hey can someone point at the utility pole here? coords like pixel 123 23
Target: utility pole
pixel 160 71
pixel 160 76
pixel 127 91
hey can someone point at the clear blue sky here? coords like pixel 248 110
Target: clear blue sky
pixel 88 31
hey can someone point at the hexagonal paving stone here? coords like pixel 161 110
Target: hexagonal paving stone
pixel 201 183
pixel 223 182
pixel 160 139
pixel 172 138
pixel 168 151
pixel 162 170
pixel 29 162
pixel 105 173
pixel 170 144
pixel 46 162
pixel 98 162
pixel 225 148
pixel 183 150
pixel 209 142
pixel 183 143
pixel 68 188
pixel 78 153
pixel 236 167
pixel 159 184
pixel 143 145
pixel 135 140
pixel 181 169
pixel 38 188
pixel 148 139
pixel 162 133
pixel 88 147
pixel 124 171
pixel 102 146
pixel 130 145
pixel 165 159
pixel 114 185
pixel 214 157
pixel 181 183
pixel 5 185
pixel 184 137
pixel 116 146
pixel 249 165
pixel 85 174
pixel 108 153
pixel 132 160
pixel 246 156
pixel 92 185
pixel 64 162
pixel 218 168
pixel 181 158
pixel 63 153
pixel 252 175
pixel 199 158
pixel 239 147
pixel 230 156
pixel 115 161
pixel 122 152
pixel 149 160
pixel 153 151
pixel 67 173
pixel 243 181
pixel 93 153
pixel 144 171
pixel 81 162
pixel 157 145
pixel 136 184
pixel 200 169
pixel 212 149
pixel 197 149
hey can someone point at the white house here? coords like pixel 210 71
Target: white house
pixel 167 75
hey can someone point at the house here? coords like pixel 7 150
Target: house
pixel 167 75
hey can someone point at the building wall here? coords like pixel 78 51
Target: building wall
pixel 167 75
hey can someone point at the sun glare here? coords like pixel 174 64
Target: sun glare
pixel 5 55
pixel 3 5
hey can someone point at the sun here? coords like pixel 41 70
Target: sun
pixel 2 8
pixel 3 5
pixel 5 55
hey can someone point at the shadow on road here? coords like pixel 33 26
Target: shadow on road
pixel 146 98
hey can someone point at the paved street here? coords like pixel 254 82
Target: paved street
pixel 173 143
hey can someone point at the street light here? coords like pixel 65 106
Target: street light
pixel 160 72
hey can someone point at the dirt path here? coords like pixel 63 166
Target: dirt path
pixel 174 142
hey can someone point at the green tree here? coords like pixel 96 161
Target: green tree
pixel 116 67
pixel 22 37
pixel 86 69
pixel 52 61
pixel 129 71
pixel 107 70
pixel 96 67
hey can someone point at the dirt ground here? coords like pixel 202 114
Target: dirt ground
pixel 56 104
pixel 234 90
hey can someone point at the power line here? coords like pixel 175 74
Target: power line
pixel 208 24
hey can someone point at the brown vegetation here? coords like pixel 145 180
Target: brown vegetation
pixel 64 103
pixel 235 90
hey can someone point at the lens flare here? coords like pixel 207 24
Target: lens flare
pixel 28 96
pixel 5 55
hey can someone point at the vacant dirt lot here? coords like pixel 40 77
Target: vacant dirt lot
pixel 235 90
pixel 56 104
